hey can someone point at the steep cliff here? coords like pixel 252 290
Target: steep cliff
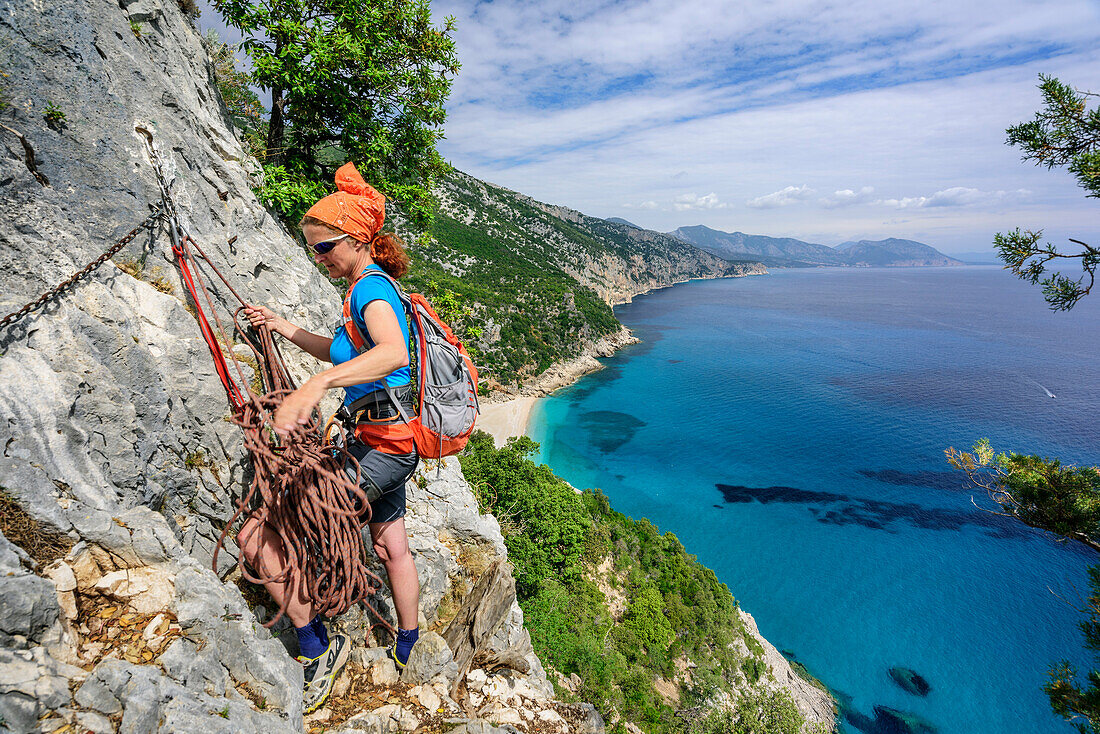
pixel 539 281
pixel 113 421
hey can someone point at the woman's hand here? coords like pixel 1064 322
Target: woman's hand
pixel 298 406
pixel 260 315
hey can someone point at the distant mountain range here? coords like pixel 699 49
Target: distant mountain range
pixel 789 252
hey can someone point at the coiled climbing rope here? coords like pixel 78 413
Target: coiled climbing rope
pixel 299 488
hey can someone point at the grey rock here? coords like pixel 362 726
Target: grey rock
pixel 383 671
pixel 152 702
pixel 31 684
pixel 446 502
pixel 28 606
pixel 513 635
pixel 19 711
pixel 216 613
pixel 196 669
pixel 12 557
pixel 97 695
pixel 591 721
pixel 430 657
pixel 476 726
pixel 368 723
pixel 394 717
pixel 89 721
pixel 368 656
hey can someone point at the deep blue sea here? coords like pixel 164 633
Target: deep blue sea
pixel 790 429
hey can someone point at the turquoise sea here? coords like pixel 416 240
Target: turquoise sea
pixel 790 429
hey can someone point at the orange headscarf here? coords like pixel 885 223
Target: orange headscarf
pixel 356 208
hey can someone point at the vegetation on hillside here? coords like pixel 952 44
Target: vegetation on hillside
pixel 1038 491
pixel 537 280
pixel 542 314
pixel 622 606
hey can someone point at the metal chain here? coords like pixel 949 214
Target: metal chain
pixel 127 239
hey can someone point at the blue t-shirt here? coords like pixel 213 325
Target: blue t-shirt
pixel 366 290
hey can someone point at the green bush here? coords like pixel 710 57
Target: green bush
pixel 289 192
pixel 646 618
pixel 758 711
pixel 556 538
pixel 544 519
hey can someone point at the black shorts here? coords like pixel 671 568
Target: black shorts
pixel 385 473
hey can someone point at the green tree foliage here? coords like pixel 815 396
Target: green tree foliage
pixel 758 711
pixel 1064 133
pixel 546 517
pixel 291 193
pixel 1040 492
pixel 646 618
pixel 566 547
pixel 235 86
pixel 352 79
pixel 1037 491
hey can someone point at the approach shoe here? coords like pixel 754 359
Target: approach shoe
pixel 321 671
pixel 396 660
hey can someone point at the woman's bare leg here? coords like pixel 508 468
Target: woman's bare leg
pixel 392 546
pixel 263 549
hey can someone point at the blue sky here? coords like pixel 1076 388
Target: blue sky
pixel 826 121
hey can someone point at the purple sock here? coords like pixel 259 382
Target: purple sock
pixel 312 639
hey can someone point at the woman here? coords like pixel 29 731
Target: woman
pixel 344 232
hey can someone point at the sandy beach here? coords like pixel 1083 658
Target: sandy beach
pixel 507 419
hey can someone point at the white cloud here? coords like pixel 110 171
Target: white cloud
pixel 783 197
pixel 597 103
pixel 955 196
pixel 847 197
pixel 644 205
pixel 687 202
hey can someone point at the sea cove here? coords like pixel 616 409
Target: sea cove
pixel 790 430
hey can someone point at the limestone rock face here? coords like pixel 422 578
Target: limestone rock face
pixel 108 389
pixel 813 703
pixel 113 420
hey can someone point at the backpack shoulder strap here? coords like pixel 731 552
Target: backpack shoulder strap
pixel 401 295
pixel 354 332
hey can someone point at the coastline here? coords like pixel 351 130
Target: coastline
pixel 506 413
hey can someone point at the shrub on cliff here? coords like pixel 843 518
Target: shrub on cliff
pixel 758 711
pixel 544 520
pixel 677 614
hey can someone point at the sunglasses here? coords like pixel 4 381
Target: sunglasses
pixel 325 246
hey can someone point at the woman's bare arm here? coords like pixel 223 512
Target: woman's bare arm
pixel 313 344
pixel 389 353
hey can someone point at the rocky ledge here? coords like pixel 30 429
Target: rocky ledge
pixel 128 633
